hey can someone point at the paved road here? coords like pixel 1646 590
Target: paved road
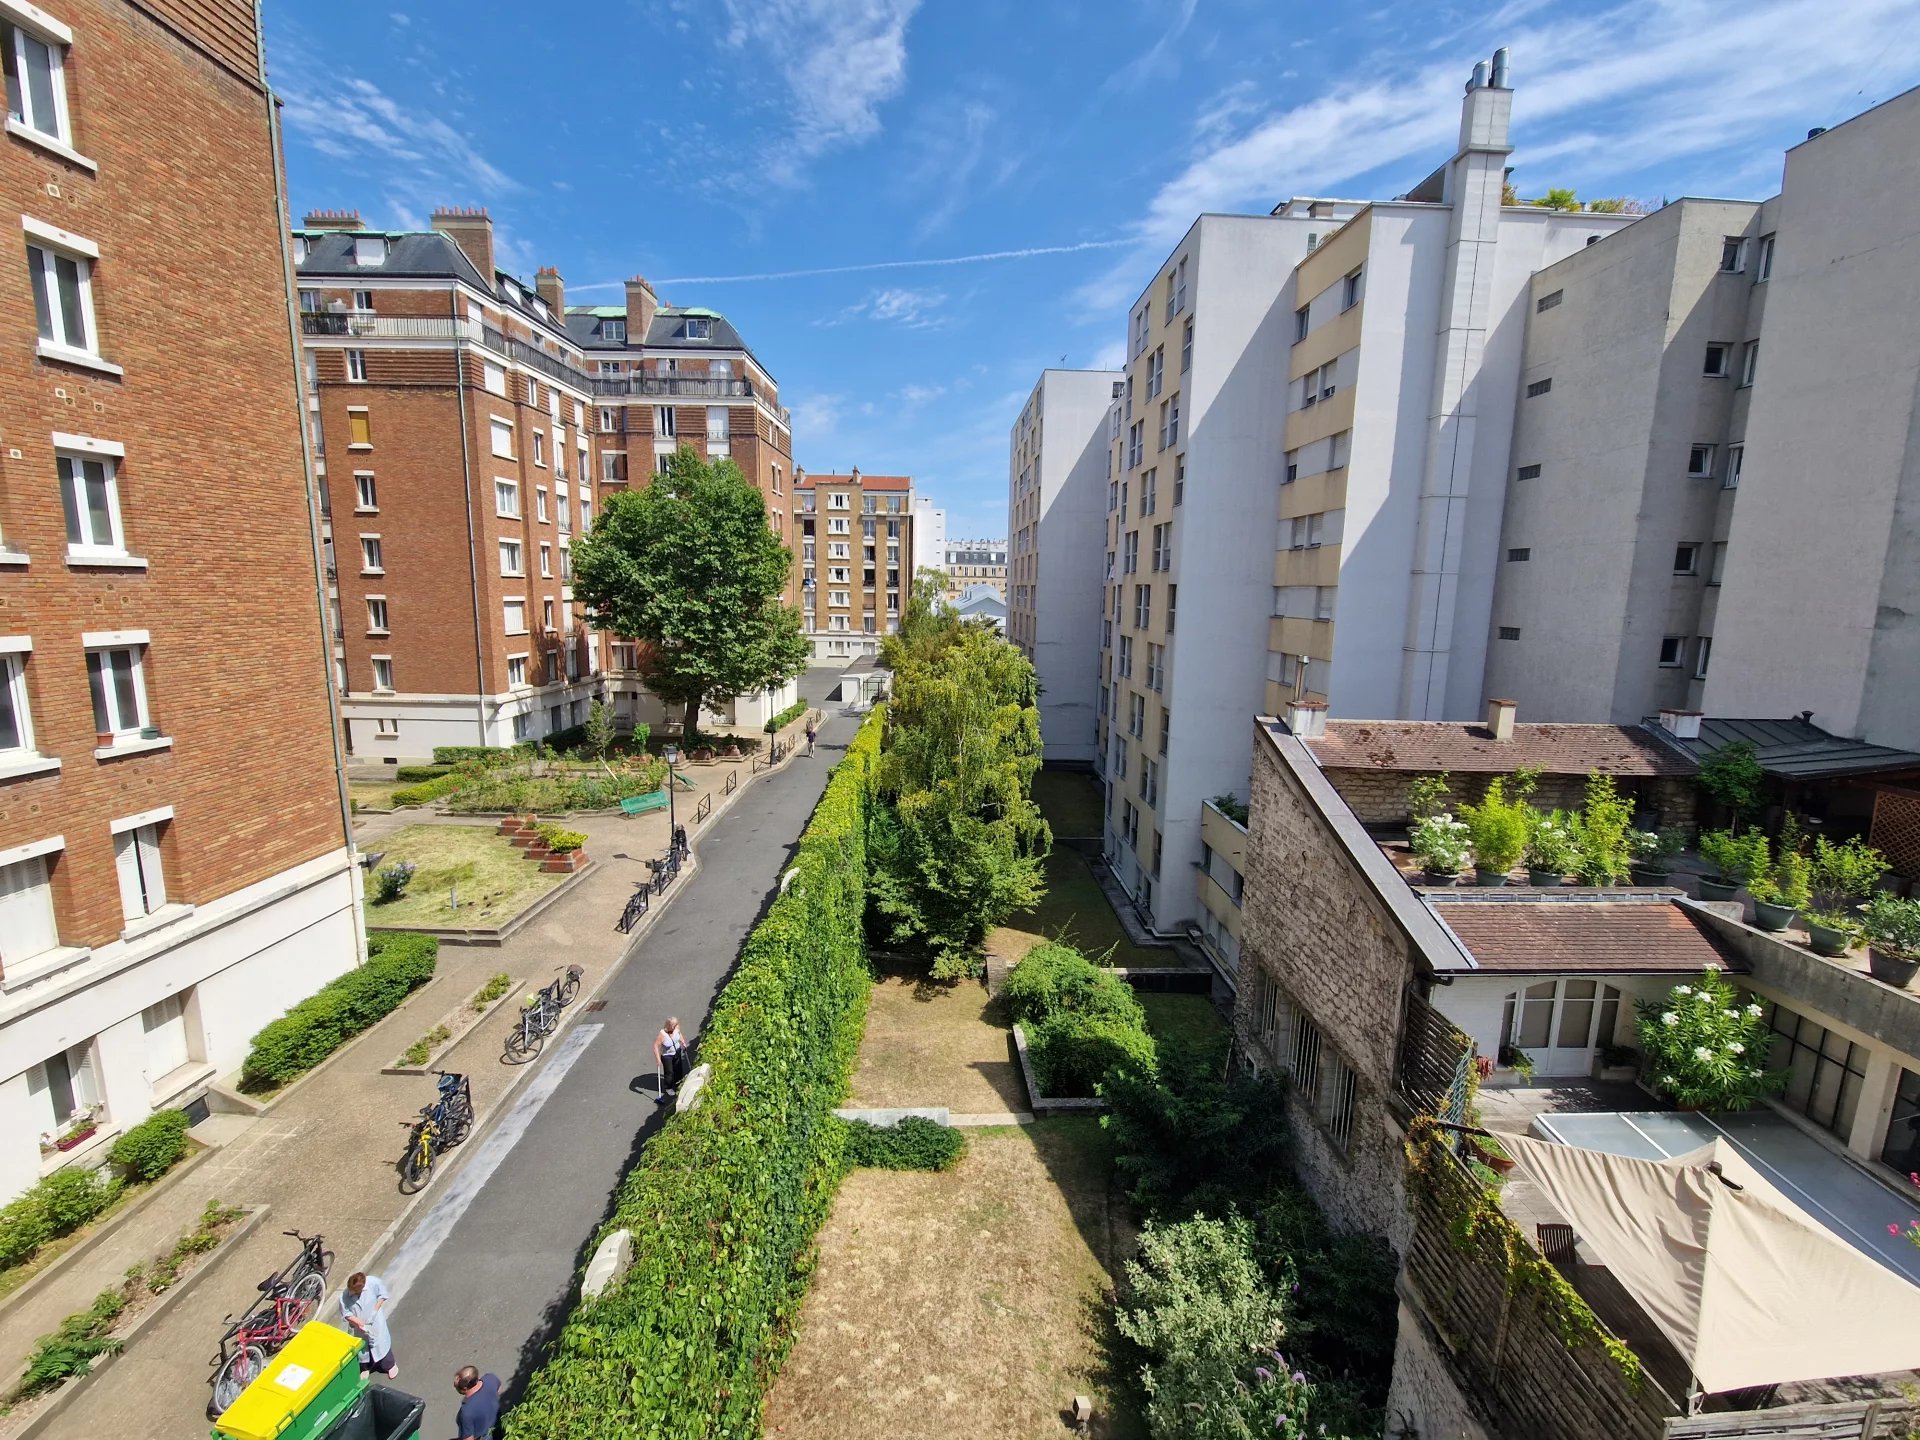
pixel 486 1273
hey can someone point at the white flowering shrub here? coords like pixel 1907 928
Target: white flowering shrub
pixel 1708 1048
pixel 1440 843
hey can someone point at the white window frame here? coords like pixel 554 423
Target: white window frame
pixel 1736 458
pixel 29 22
pixel 517 670
pixel 71 454
pixel 1678 645
pixel 366 416
pixel 377 616
pixel 508 605
pixel 1763 269
pixel 45 245
pixel 540 448
pixel 107 703
pixel 1690 551
pixel 19 963
pixel 496 424
pixel 372 560
pixel 1749 362
pixel 546 560
pixel 493 378
pixel 665 424
pixel 137 862
pixel 1705 471
pixel 382 685
pixel 506 490
pixel 699 327
pixel 513 558
pixel 1702 652
pixel 14 650
pixel 1725 347
pixel 357 367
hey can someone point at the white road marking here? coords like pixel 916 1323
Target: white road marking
pixel 431 1232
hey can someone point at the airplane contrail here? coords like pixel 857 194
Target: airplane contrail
pixel 1027 253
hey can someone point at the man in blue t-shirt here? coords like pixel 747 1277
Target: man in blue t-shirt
pixel 479 1403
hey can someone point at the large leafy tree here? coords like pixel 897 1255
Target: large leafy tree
pixel 688 566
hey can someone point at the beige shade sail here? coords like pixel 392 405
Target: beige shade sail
pixel 1749 1289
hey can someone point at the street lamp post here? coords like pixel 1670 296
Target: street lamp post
pixel 671 753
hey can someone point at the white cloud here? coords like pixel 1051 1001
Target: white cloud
pixel 920 394
pixel 817 416
pixel 1110 356
pixel 912 309
pixel 1157 58
pixel 951 154
pixel 840 60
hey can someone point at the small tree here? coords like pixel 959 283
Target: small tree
pixel 688 565
pixel 599 738
pixel 1732 776
pixel 1601 843
pixel 1557 199
pixel 1708 1049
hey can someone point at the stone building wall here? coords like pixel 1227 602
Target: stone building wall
pixel 1380 797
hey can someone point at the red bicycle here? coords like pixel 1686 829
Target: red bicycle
pixel 287 1301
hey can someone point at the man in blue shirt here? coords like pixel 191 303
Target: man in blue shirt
pixel 479 1403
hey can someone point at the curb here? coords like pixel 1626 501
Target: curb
pixel 479 937
pixel 426 1067
pixel 1042 1106
pixel 159 1187
pixel 70 1390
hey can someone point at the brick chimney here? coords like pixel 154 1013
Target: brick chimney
pixel 552 289
pixel 333 220
pixel 472 231
pixel 641 305
pixel 1500 715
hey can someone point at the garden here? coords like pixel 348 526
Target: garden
pixel 462 877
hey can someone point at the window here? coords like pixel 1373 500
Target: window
pixel 540 504
pixel 383 673
pixel 516 670
pixel 1180 286
pixel 1173 599
pixel 369 249
pixel 357 366
pixel 1292 471
pixel 1547 302
pixel 1149 492
pixel 699 328
pixel 506 499
pixel 1539 387
pixel 1150 782
pixel 1126 657
pixel 1170 424
pixel 359 430
pixel 1764 270
pixel 1179 481
pixel 1716 361
pixel 1136 716
pixel 370 555
pixel 63 291
pixel 494 379
pixel 1350 292
pixel 376 615
pixel 1702 653
pixel 1700 460
pixel 91 498
pixel 1130 552
pixel 501 433
pixel 363 300
pixel 1672 650
pixel 1736 457
pixel 1304 1059
pixel 514 613
pixel 1156 668
pixel 546 559
pixel 115 674
pixel 1825 1071
pixel 36 81
pixel 1186 347
pixel 387 727
pixel 546 615
pixel 510 563
pixel 1733 255
pixel 1749 361
pixel 718 418
pixel 1163 547
pixel 1142 606
pixel 1686 559
pixel 365 496
pixel 1509 632
pixel 1300 319
pixel 27 927
pixel 1342 1088
pixel 16 725
pixel 136 857
pixel 1527 472
pixel 1136 443
pixel 1156 372
pixel 1522 553
pixel 539 447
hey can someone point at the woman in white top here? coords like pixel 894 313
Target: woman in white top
pixel 670 1058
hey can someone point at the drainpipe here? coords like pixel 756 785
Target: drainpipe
pixel 285 222
pixel 466 485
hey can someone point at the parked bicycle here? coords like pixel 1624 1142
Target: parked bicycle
pixel 441 1126
pixel 287 1301
pixel 540 1016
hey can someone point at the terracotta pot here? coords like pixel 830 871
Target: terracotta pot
pixel 1890 968
pixel 1711 889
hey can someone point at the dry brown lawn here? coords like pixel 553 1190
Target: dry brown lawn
pixel 948 1307
pixel 934 1042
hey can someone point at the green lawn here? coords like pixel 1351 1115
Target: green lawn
pixel 1070 799
pixel 373 794
pixel 1076 910
pixel 492 880
pixel 1187 1022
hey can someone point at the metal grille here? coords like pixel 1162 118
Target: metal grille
pixel 1340 1104
pixel 1306 1058
pixel 1896 831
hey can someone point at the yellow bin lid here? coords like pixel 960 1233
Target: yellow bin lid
pixel 292 1379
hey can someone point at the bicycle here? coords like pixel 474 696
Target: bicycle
pixel 288 1299
pixel 540 1016
pixel 441 1126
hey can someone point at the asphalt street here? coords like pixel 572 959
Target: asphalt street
pixel 485 1273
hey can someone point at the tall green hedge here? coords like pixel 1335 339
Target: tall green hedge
pixel 397 964
pixel 725 1201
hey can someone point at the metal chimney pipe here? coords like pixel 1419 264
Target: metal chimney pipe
pixel 1500 69
pixel 1479 79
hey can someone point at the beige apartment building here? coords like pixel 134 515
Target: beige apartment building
pixel 975 562
pixel 853 560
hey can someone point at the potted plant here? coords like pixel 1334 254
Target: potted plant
pixel 1616 1062
pixel 1735 859
pixel 1653 852
pixel 1782 892
pixel 1440 844
pixel 1550 849
pixel 1513 1058
pixel 1601 851
pixel 1497 827
pixel 1707 1048
pixel 1842 876
pixel 1893 939
pixel 1492 1154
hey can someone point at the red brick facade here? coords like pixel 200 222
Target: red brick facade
pixel 853 558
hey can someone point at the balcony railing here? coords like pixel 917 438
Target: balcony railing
pixel 674 387
pixel 360 324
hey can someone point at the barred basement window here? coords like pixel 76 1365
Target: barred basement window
pixel 1523 553
pixel 1509 632
pixel 1306 1059
pixel 1340 1104
pixel 1539 387
pixel 1527 472
pixel 1547 302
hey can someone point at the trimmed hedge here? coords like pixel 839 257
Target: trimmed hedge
pixel 428 790
pixel 725 1201
pixel 153 1147
pixel 55 1206
pixel 486 754
pixel 1080 1022
pixel 416 773
pixel 787 716
pixel 912 1143
pixel 397 964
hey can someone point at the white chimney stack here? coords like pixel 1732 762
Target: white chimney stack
pixel 1307 719
pixel 1681 724
pixel 1500 715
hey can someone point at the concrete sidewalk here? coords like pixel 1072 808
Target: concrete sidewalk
pixel 324 1155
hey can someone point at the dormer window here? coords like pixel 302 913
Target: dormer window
pixel 699 329
pixel 514 293
pixel 369 249
pixel 540 308
pixel 300 250
pixel 614 330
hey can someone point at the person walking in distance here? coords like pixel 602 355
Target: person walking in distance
pixel 479 1403
pixel 810 734
pixel 363 1305
pixel 670 1058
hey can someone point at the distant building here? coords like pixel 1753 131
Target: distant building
pixel 975 562
pixel 982 602
pixel 853 556
pixel 929 534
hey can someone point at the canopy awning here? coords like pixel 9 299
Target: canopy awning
pixel 1749 1289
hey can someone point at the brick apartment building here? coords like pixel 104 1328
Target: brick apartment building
pixel 175 867
pixel 853 559
pixel 466 424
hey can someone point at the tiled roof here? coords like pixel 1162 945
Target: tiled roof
pixel 1468 749
pixel 865 482
pixel 585 323
pixel 1578 933
pixel 1792 749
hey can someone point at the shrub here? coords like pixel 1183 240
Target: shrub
pixel 396 965
pixel 725 1201
pixel 1844 874
pixel 1893 925
pixel 1497 827
pixel 24 1228
pixel 421 772
pixel 1231 806
pixel 1073 1051
pixel 560 840
pixel 75 1195
pixel 1053 977
pixel 787 716
pixel 488 755
pixel 82 1338
pixel 495 987
pixel 1735 858
pixel 1427 796
pixel 1602 851
pixel 913 1143
pixel 1190 1139
pixel 1708 1049
pixel 390 882
pixel 1550 844
pixel 1789 882
pixel 417 1053
pixel 1732 775
pixel 428 790
pixel 153 1147
pixel 1440 843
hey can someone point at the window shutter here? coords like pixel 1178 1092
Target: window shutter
pixel 26 911
pixel 126 861
pixel 153 880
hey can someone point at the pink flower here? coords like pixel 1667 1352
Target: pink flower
pixel 1893 1229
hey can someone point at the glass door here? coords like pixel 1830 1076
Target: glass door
pixel 1560 1023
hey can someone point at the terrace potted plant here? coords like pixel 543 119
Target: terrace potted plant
pixel 1440 844
pixel 1497 827
pixel 1653 852
pixel 1782 892
pixel 1843 875
pixel 1492 1154
pixel 1707 1048
pixel 1513 1058
pixel 1550 849
pixel 1893 939
pixel 1616 1062
pixel 1735 859
pixel 1601 852
pixel 81 1126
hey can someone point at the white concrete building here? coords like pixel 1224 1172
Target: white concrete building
pixel 929 534
pixel 1058 466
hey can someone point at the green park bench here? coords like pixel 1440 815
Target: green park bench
pixel 641 804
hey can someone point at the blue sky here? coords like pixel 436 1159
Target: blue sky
pixel 1054 149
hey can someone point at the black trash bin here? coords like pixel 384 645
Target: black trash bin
pixel 379 1414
